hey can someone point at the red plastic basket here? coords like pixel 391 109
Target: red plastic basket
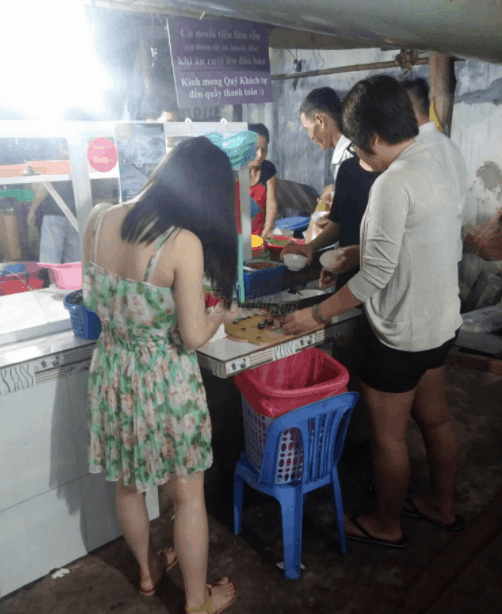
pixel 292 382
pixel 276 250
pixel 14 285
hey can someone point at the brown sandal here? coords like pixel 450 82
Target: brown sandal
pixel 207 607
pixel 162 556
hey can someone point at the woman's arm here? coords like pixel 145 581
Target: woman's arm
pixel 271 207
pixel 196 328
pixel 384 234
pixel 304 320
pixel 383 231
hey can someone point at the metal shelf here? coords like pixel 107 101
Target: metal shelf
pixel 34 179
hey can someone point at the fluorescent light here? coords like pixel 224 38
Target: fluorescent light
pixel 49 61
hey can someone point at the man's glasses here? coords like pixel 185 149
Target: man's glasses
pixel 351 150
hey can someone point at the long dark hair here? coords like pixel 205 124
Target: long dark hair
pixel 378 105
pixel 193 188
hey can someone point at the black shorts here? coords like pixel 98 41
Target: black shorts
pixel 390 370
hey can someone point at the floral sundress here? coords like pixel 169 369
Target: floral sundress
pixel 147 408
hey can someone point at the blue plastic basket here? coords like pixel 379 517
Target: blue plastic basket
pixel 86 324
pixel 241 148
pixel 263 282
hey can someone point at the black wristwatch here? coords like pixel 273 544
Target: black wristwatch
pixel 318 317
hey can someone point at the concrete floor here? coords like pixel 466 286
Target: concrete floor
pixel 440 573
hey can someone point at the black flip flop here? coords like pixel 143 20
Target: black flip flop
pixel 457 525
pixel 367 538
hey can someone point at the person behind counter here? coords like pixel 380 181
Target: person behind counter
pixel 353 184
pixel 320 116
pixel 442 148
pixel 408 283
pixel 144 263
pixel 59 241
pixel 262 186
pixel 10 240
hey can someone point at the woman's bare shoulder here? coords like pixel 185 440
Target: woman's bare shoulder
pixel 187 240
pixel 96 210
pixel 186 248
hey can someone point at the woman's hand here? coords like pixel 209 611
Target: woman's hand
pixel 230 315
pixel 301 321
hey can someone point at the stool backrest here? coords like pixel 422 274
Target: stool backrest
pixel 323 426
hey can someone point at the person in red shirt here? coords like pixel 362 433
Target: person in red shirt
pixel 262 186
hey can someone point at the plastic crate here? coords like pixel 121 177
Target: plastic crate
pixel 275 249
pixel 216 138
pixel 290 459
pixel 86 324
pixel 295 224
pixel 264 281
pixel 68 276
pixel 241 148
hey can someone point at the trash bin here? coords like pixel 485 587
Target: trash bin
pixel 282 386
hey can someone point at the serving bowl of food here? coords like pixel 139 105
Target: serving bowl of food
pixel 295 262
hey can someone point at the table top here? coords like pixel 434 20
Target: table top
pixel 225 358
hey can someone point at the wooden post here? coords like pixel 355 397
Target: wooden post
pixel 443 82
pixel 237 113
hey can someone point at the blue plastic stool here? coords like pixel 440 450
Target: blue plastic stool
pixel 322 427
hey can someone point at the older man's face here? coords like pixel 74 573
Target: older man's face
pixel 322 129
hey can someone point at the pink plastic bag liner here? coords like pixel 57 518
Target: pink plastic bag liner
pixel 292 382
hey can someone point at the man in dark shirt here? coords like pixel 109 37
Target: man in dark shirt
pixel 352 189
pixel 353 185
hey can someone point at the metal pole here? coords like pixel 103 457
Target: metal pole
pixel 341 69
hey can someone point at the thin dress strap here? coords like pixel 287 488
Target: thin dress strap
pixel 97 228
pixel 154 260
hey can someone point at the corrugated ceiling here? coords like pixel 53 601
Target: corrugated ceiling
pixel 470 29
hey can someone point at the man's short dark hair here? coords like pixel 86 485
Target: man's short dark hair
pixel 324 100
pixel 378 105
pixel 418 91
pixel 260 130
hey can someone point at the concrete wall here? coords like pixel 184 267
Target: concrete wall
pixel 296 157
pixel 477 127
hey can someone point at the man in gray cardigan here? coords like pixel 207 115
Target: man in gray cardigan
pixel 408 283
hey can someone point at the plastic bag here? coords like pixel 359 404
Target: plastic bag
pixel 292 382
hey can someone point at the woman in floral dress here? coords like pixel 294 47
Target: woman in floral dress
pixel 144 264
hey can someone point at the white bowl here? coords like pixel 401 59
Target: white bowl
pixel 326 260
pixel 295 262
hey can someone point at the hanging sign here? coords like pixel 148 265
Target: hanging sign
pixel 102 154
pixel 219 62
